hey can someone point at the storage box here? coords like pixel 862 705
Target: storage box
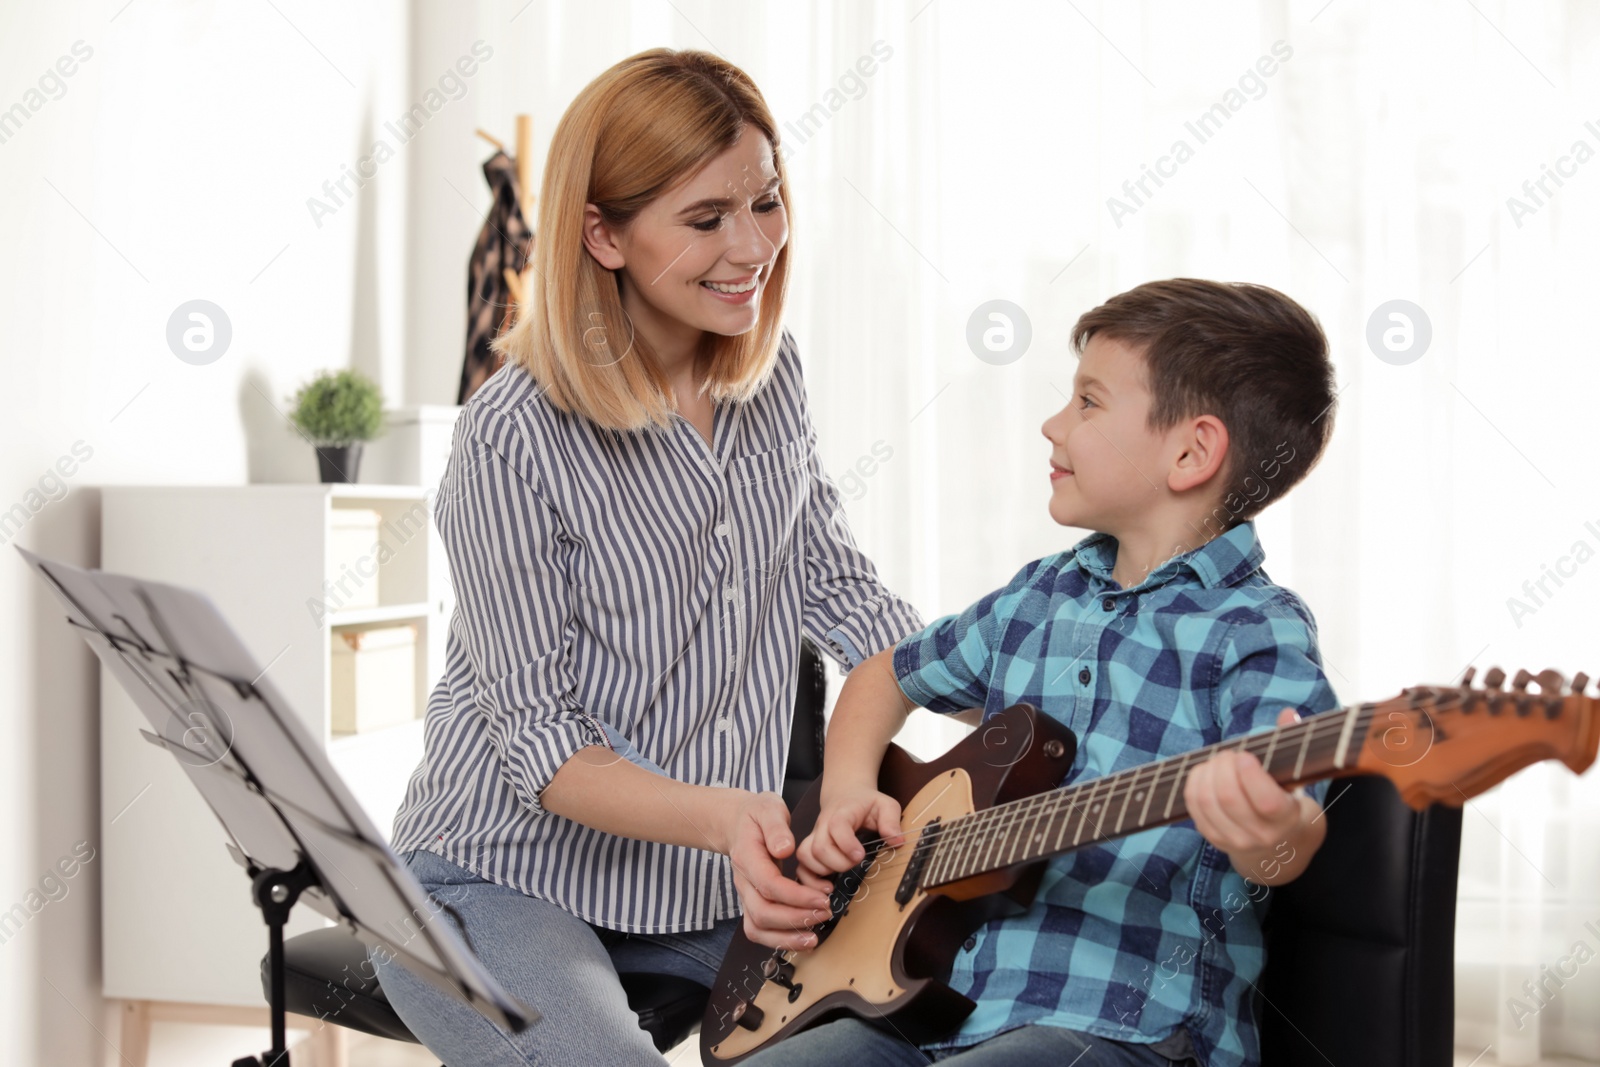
pixel 374 679
pixel 353 558
pixel 414 447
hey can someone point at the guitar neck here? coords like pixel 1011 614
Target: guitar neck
pixel 1150 795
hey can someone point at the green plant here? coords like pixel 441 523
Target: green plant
pixel 338 408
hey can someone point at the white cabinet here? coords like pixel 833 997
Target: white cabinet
pixel 178 924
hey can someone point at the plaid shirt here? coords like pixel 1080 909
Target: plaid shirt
pixel 1133 939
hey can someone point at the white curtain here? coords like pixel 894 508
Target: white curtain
pixel 1356 152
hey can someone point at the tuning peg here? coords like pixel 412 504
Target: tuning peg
pixel 1520 682
pixel 1551 681
pixel 1493 679
pixel 1466 677
pixel 1580 682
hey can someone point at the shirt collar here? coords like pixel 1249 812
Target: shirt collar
pixel 1224 560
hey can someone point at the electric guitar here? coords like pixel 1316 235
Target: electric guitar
pixel 979 823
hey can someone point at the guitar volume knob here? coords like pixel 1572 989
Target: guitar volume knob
pixel 747 1015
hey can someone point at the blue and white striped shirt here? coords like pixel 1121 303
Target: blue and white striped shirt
pixel 638 590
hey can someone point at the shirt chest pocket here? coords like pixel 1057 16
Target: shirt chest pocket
pixel 767 494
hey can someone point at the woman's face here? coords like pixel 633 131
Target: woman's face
pixel 698 258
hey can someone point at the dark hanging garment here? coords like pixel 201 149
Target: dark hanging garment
pixel 504 243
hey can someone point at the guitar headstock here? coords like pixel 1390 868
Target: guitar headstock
pixel 1447 744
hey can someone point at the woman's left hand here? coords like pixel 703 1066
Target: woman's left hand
pixel 778 912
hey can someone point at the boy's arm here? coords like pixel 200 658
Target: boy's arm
pixel 1271 671
pixel 945 668
pixel 870 711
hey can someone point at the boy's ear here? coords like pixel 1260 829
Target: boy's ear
pixel 1205 450
pixel 599 240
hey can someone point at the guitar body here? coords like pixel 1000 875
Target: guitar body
pixel 884 959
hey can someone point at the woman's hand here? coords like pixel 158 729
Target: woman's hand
pixel 778 912
pixel 832 845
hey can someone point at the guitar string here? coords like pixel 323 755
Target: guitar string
pixel 1176 768
pixel 1366 712
pixel 1055 803
pixel 1064 797
pixel 1316 746
pixel 1058 798
pixel 1045 809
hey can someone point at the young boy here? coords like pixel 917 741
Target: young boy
pixel 1195 405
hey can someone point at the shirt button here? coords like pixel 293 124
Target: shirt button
pixel 722 722
pixel 1083 676
pixel 722 529
pixel 730 592
pixel 1107 604
pixel 970 943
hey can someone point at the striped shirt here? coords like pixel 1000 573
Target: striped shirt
pixel 1153 938
pixel 638 590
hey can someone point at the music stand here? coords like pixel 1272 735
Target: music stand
pixel 292 824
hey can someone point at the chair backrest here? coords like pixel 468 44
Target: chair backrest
pixel 1361 947
pixel 805 737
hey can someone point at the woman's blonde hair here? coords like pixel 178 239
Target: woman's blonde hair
pixel 631 134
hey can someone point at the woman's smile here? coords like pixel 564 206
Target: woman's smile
pixel 734 292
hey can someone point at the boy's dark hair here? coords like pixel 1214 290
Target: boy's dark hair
pixel 1245 353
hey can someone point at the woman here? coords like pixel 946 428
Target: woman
pixel 639 532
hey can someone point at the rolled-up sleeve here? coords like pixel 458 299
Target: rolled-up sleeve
pixel 848 612
pixel 1269 663
pixel 514 616
pixel 948 666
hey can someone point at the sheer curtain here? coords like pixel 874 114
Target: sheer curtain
pixel 1348 152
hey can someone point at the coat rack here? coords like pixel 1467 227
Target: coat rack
pixel 525 195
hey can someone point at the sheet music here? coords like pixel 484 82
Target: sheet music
pixel 265 777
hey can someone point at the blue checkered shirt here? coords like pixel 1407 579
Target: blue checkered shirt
pixel 1141 936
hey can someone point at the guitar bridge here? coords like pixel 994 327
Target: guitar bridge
pixel 845 885
pixel 919 858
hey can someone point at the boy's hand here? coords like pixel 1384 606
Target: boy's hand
pixel 832 845
pixel 1238 807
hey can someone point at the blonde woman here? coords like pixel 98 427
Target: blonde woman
pixel 639 532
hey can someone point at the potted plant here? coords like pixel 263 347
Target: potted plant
pixel 337 411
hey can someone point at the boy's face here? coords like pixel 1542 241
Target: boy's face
pixel 1108 471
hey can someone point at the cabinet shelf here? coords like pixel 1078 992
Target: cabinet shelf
pixel 380 614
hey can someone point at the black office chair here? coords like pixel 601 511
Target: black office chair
pixel 1361 947
pixel 324 970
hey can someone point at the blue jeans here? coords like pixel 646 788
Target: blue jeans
pixel 854 1042
pixel 552 961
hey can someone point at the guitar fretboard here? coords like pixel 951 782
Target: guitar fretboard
pixel 1135 799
